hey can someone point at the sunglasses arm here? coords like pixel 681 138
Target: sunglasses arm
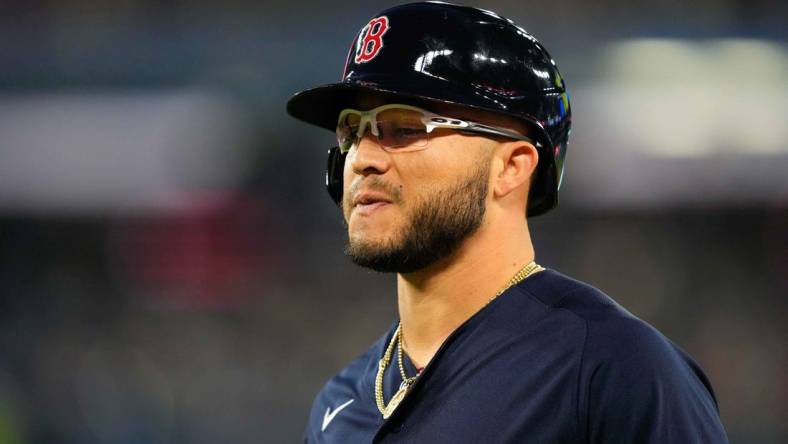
pixel 433 122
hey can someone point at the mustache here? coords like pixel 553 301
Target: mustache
pixel 372 183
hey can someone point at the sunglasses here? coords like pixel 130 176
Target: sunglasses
pixel 404 128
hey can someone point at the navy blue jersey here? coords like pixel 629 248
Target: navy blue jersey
pixel 551 360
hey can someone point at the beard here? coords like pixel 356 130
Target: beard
pixel 437 226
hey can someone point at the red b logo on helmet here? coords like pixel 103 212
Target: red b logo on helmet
pixel 370 39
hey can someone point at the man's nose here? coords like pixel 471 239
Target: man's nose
pixel 369 157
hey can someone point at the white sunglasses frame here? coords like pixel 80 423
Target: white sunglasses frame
pixel 430 120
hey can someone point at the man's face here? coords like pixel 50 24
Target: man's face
pixel 406 210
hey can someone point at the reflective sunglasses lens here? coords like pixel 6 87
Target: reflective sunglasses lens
pixel 347 131
pixel 401 128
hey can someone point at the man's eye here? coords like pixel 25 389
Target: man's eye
pixel 409 132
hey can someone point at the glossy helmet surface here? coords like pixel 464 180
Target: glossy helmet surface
pixel 422 53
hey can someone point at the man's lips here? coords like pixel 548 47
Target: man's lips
pixel 367 202
pixel 370 198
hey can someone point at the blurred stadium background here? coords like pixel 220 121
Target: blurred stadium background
pixel 171 267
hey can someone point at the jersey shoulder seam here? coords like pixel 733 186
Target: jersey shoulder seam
pixel 581 356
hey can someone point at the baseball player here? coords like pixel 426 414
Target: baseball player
pixel 452 126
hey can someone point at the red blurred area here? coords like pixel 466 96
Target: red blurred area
pixel 201 251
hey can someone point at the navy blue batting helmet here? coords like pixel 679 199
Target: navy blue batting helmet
pixel 422 53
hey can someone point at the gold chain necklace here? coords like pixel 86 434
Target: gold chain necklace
pixel 405 379
pixel 387 409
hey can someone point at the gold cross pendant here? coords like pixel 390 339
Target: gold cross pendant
pixel 396 400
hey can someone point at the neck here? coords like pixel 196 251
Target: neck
pixel 434 301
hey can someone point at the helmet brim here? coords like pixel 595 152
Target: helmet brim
pixel 321 105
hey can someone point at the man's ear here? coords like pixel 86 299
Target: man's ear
pixel 519 159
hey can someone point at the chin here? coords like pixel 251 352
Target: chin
pixel 375 227
pixel 368 239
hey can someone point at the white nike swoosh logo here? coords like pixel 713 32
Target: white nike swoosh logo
pixel 329 416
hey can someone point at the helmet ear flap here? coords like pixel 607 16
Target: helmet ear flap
pixel 334 174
